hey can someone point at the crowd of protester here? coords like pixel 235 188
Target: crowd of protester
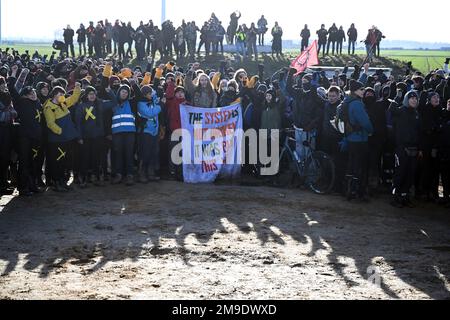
pixel 118 39
pixel 94 120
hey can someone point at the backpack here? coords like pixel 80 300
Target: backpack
pixel 342 120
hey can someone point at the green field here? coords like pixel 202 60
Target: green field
pixel 423 60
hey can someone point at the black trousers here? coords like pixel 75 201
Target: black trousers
pixel 60 159
pixel 260 38
pixel 339 47
pixel 121 50
pixel 5 153
pixel 333 43
pixel 91 157
pixel 304 44
pixel 445 175
pixel 123 149
pixel 321 47
pixel 82 48
pixel 351 46
pixel 405 170
pixel 357 169
pixel 72 49
pixel 429 176
pixel 108 46
pixel 375 155
pixel 31 155
pixel 148 151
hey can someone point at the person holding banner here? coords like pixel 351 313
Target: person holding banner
pixel 371 42
pixel 174 97
pixel 201 90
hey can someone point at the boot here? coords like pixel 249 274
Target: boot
pixel 407 202
pixel 397 202
pixel 58 187
pixel 25 193
pixel 117 179
pixel 93 179
pixel 101 181
pixel 152 176
pixel 82 183
pixel 130 181
pixel 143 177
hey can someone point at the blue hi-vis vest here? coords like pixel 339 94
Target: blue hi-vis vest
pixel 123 119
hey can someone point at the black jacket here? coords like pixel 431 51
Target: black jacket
pixel 406 126
pixel 81 35
pixel 430 119
pixel 352 34
pixel 322 34
pixel 68 36
pixel 306 111
pixel 31 118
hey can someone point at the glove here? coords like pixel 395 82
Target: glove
pixel 107 72
pixel 252 83
pixel 215 80
pixel 158 73
pixel 147 79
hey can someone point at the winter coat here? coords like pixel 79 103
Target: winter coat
pixel 31 118
pixel 358 117
pixel 59 121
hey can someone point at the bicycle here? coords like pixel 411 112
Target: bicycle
pixel 316 170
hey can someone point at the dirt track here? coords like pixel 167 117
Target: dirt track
pixel 176 241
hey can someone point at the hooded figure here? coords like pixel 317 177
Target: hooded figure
pixel 406 127
pixel 149 109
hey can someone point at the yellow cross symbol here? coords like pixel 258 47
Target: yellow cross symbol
pixel 35 153
pixel 89 114
pixel 38 116
pixel 63 154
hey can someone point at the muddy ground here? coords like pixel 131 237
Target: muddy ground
pixel 177 241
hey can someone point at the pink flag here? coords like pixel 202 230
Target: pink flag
pixel 306 58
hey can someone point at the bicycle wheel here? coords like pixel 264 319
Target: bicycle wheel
pixel 320 173
pixel 286 172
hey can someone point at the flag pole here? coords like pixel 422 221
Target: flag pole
pixel 163 11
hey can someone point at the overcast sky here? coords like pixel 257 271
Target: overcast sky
pixel 399 20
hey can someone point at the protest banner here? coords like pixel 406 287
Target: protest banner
pixel 211 142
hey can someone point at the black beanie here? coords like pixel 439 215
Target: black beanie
pixel 90 89
pixel 355 85
pixel 57 90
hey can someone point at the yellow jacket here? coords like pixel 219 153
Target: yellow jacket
pixel 54 112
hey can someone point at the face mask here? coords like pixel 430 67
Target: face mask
pixel 369 100
pixel 61 99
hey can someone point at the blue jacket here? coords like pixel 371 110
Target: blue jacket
pixel 123 120
pixel 150 111
pixel 358 117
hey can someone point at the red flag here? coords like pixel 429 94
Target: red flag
pixel 307 58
